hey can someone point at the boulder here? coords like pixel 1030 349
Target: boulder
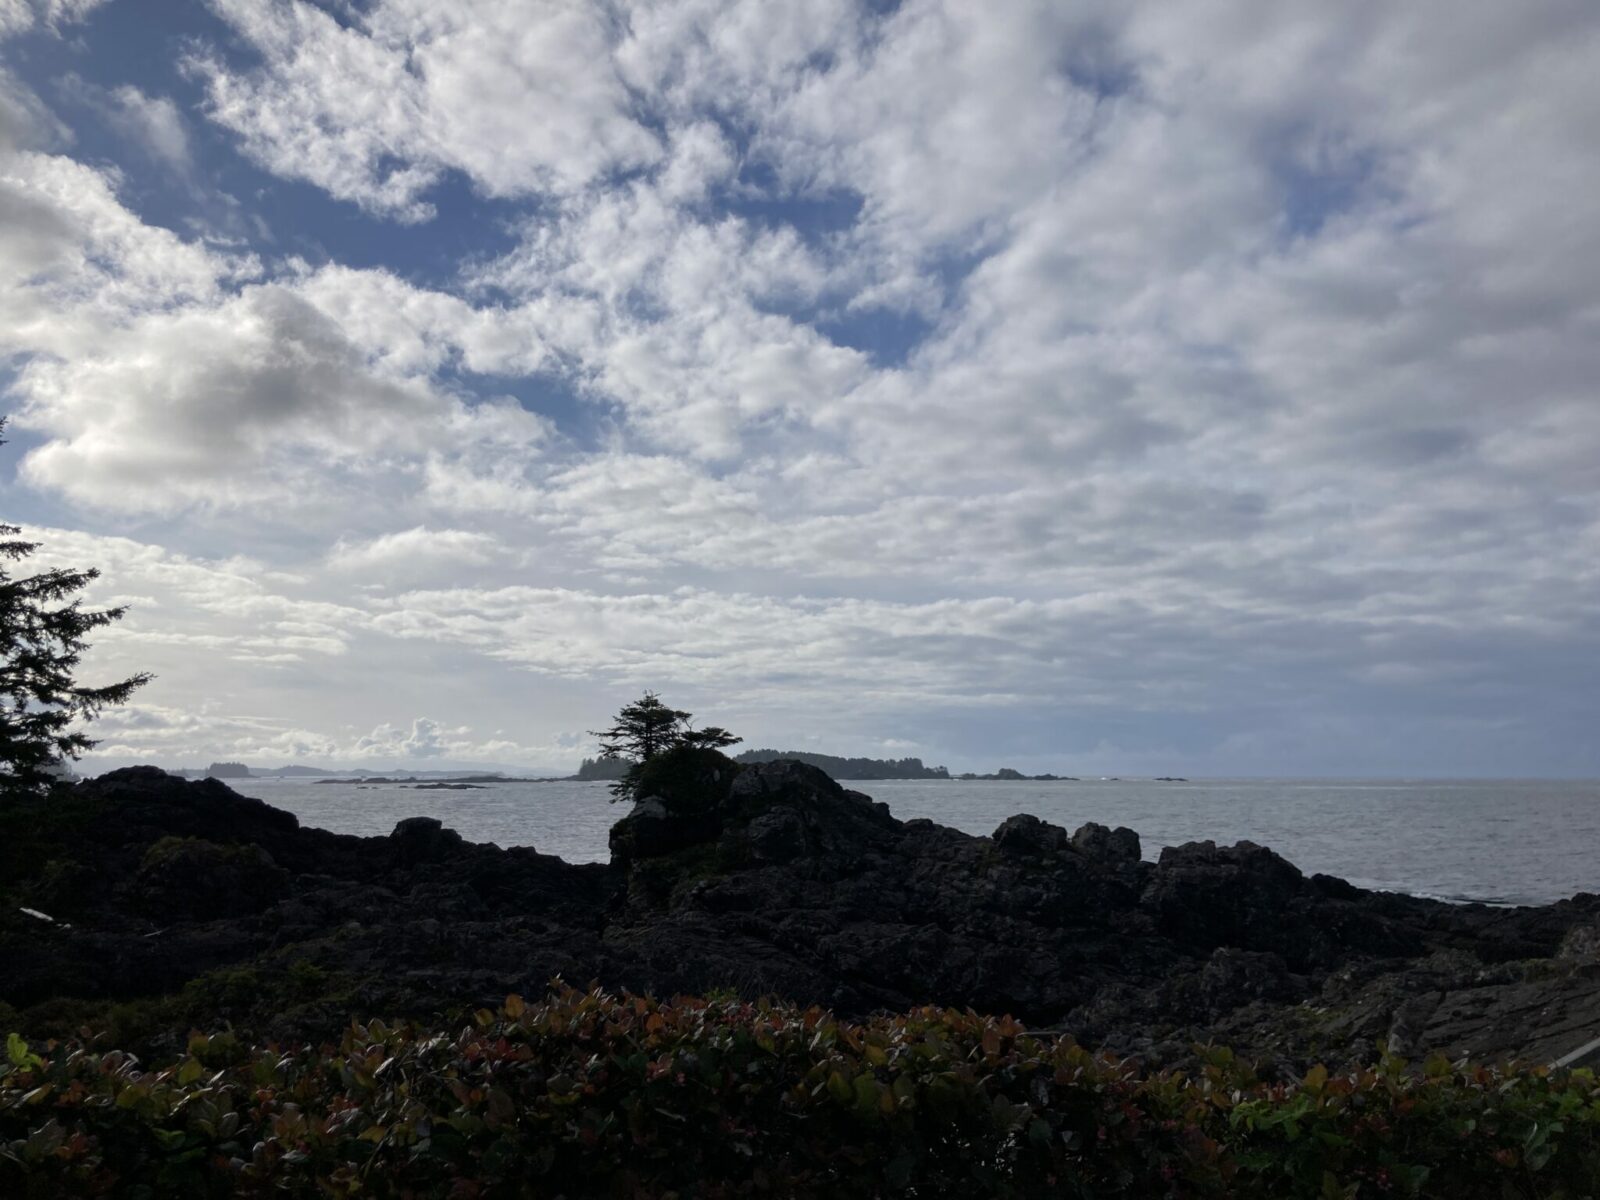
pixel 1119 845
pixel 423 840
pixel 777 836
pixel 1025 834
pixel 652 830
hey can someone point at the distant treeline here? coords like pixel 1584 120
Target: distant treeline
pixel 603 768
pixel 217 770
pixel 852 768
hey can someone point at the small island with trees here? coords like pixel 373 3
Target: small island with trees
pixel 836 767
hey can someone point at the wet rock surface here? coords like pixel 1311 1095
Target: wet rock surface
pixel 773 879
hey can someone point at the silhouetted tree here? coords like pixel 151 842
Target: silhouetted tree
pixel 648 728
pixel 42 634
pixel 712 737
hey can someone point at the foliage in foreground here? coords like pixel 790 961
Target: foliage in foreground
pixel 589 1094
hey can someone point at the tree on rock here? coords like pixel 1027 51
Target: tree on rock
pixel 42 631
pixel 646 729
pixel 712 737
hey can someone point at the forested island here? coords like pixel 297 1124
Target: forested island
pixel 1007 774
pixel 835 767
pixel 607 768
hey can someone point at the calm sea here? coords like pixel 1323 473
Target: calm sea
pixel 1497 841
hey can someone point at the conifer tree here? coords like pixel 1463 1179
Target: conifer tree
pixel 42 631
pixel 647 728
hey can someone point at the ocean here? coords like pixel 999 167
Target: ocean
pixel 1492 841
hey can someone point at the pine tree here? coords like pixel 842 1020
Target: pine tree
pixel 712 737
pixel 648 728
pixel 42 631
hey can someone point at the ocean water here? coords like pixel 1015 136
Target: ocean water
pixel 1494 841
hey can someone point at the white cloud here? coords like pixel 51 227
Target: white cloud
pixel 211 405
pixel 23 16
pixel 75 259
pixel 25 122
pixel 425 739
pixel 162 379
pixel 416 553
pixel 520 98
pixel 153 122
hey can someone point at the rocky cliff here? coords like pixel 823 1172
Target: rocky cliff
pixel 763 879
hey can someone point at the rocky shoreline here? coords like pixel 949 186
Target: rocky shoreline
pixel 185 903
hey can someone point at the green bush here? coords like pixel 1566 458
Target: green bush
pixel 589 1094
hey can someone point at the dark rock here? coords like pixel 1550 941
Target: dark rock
pixel 1107 845
pixel 423 840
pixel 1024 834
pixel 650 831
pixel 193 879
pixel 1335 888
pixel 1232 978
pixel 778 835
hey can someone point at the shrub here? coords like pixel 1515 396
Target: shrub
pixel 590 1094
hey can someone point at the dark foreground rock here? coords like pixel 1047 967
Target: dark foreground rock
pixel 202 906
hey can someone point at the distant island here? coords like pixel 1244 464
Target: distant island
pixel 605 768
pixel 850 768
pixel 1006 773
pixel 449 781
pixel 217 770
pixel 832 765
pixel 239 770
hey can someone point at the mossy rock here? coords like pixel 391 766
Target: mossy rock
pixel 193 879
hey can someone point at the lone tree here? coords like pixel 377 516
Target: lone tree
pixel 42 632
pixel 646 729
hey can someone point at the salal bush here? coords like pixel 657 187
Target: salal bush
pixel 586 1093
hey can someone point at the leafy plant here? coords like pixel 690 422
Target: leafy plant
pixel 585 1093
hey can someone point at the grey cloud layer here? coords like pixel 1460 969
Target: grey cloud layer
pixel 1258 376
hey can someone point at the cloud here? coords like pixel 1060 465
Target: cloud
pixel 210 405
pixel 162 377
pixel 419 552
pixel 425 739
pixel 522 100
pixel 153 122
pixel 25 122
pixel 77 259
pixel 23 16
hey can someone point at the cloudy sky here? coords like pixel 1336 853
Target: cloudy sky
pixel 1113 387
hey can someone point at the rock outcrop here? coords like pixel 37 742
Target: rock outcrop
pixel 773 879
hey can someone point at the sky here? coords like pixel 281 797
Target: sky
pixel 1097 388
